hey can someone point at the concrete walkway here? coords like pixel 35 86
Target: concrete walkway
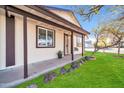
pixel 14 76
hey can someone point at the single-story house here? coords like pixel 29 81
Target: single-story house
pixel 122 44
pixel 30 34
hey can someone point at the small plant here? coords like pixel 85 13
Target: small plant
pixel 59 54
pixel 76 49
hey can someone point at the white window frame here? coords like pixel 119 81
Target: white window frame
pixel 37 45
pixel 77 41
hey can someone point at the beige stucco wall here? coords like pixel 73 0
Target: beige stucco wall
pixel 34 54
pixel 79 48
pixel 19 40
pixel 40 54
pixel 66 15
pixel 2 39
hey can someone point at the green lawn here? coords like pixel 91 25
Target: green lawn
pixel 105 72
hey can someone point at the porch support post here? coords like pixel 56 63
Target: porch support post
pixel 83 44
pixel 72 49
pixel 25 46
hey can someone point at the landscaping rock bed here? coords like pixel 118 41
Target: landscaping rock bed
pixel 63 70
pixel 70 70
pixel 81 62
pixel 90 58
pixel 49 77
pixel 74 65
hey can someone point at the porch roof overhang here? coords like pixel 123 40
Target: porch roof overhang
pixel 56 20
pixel 53 15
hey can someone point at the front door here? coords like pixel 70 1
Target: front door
pixel 10 41
pixel 66 44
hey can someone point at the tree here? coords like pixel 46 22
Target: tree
pixel 112 31
pixel 118 25
pixel 87 12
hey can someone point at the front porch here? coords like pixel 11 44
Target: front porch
pixel 13 76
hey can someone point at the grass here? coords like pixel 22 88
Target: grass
pixel 106 71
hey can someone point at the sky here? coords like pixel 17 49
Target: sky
pixel 103 15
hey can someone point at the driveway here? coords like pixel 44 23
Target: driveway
pixel 109 50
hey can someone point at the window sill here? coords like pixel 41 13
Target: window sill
pixel 46 47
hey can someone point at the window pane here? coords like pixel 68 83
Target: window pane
pixel 79 41
pixel 50 38
pixel 42 38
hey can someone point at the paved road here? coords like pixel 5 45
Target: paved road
pixel 110 50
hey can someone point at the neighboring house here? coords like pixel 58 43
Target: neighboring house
pixel 110 39
pixel 89 44
pixel 122 44
pixel 30 34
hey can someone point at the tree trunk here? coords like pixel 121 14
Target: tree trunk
pixel 119 45
pixel 95 50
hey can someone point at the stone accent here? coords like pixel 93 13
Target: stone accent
pixel 49 77
pixel 90 58
pixel 63 70
pixel 70 69
pixel 81 62
pixel 74 65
